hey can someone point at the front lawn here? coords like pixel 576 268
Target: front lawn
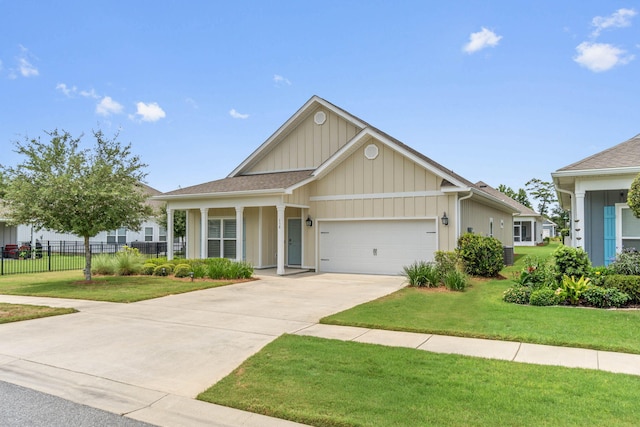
pixel 124 289
pixel 17 312
pixel 333 383
pixel 480 312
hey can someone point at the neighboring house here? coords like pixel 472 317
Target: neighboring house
pixel 549 229
pixel 527 223
pixel 329 192
pixel 150 230
pixel 595 191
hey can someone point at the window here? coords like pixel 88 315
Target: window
pixel 117 236
pixel 148 234
pixel 522 231
pixel 221 235
pixel 630 230
pixel 162 236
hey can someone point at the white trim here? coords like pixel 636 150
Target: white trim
pixel 594 172
pixel 377 218
pixel 375 196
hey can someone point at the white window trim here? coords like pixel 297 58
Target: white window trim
pixel 619 236
pixel 221 238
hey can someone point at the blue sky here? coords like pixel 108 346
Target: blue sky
pixel 499 91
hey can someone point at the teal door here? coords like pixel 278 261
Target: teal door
pixel 294 231
pixel 609 234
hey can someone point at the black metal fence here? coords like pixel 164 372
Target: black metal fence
pixel 60 256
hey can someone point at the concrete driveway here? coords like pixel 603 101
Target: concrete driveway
pixel 124 357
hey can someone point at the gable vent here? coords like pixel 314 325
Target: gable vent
pixel 320 117
pixel 371 151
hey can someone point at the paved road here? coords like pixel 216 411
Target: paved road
pixel 20 407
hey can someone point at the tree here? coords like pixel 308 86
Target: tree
pixel 179 222
pixel 521 196
pixel 633 197
pixel 543 192
pixel 64 188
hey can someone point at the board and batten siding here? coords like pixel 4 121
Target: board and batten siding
pixel 477 216
pixel 308 145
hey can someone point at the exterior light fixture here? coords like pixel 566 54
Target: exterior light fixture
pixel 191 275
pixel 444 219
pixel 309 221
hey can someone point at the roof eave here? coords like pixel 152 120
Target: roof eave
pixel 268 192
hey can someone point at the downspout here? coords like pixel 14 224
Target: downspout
pixel 573 212
pixel 458 210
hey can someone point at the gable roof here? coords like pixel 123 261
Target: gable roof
pixel 623 155
pixel 522 209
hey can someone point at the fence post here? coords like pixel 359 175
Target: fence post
pixel 49 253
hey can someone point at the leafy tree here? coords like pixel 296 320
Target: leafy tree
pixel 561 218
pixel 519 196
pixel 543 192
pixel 64 188
pixel 179 222
pixel 633 197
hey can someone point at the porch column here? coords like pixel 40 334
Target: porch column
pixel 260 261
pixel 280 260
pixel 204 225
pixel 169 234
pixel 239 236
pixel 578 224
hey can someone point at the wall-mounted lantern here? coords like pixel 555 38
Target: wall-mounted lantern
pixel 444 219
pixel 309 221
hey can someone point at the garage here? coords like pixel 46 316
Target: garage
pixel 375 246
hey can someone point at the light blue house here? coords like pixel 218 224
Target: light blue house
pixel 595 191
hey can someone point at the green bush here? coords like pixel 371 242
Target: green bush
pixel 163 270
pixel 573 288
pixel 182 270
pixel 605 297
pixel 627 284
pixel 128 261
pixel 147 269
pixel 103 264
pixel 627 262
pixel 217 268
pixel 598 274
pixel 240 270
pixel 517 295
pixel 199 268
pixel 571 262
pixel 446 261
pixel 537 273
pixel 545 297
pixel 455 280
pixel 421 274
pixel 480 255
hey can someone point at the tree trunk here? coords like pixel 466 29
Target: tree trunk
pixel 87 259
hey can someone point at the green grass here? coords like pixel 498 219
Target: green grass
pixel 333 383
pixel 46 263
pixel 124 289
pixel 17 312
pixel 480 312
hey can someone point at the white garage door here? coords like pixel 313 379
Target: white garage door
pixel 375 247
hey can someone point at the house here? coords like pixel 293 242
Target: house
pixel 595 190
pixel 329 192
pixel 150 230
pixel 549 229
pixel 527 223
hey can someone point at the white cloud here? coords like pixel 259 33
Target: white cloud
pixel 280 80
pixel 599 57
pixel 108 106
pixel 618 19
pixel 26 69
pixel 150 112
pixel 482 39
pixel 68 91
pixel 233 113
pixel 89 93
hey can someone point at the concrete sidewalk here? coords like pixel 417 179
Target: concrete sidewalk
pixel 569 357
pixel 149 360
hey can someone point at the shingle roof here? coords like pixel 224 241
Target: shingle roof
pixel 625 154
pixel 276 181
pixel 524 210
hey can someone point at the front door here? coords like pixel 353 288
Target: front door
pixel 294 232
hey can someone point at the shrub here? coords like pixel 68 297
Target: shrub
pixel 627 284
pixel 240 270
pixel 571 262
pixel 517 295
pixel 605 297
pixel 147 269
pixel 627 262
pixel 545 297
pixel 537 273
pixel 182 270
pixel 480 255
pixel 573 288
pixel 103 264
pixel 446 261
pixel 163 270
pixel 422 273
pixel 455 280
pixel 157 261
pixel 199 268
pixel 128 261
pixel 598 274
pixel 217 268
